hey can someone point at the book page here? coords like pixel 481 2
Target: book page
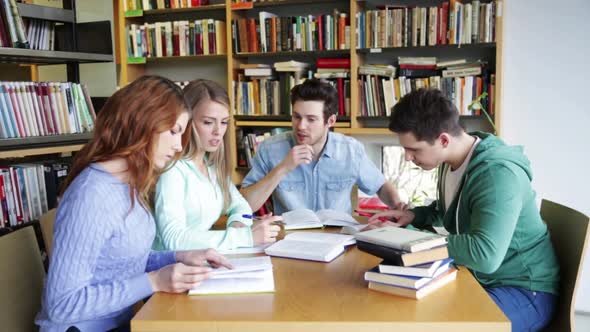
pixel 260 284
pixel 336 218
pixel 301 217
pixel 245 264
pixel 245 250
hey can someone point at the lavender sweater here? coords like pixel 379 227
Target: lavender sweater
pixel 101 256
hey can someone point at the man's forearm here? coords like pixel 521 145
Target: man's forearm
pixel 259 192
pixel 389 195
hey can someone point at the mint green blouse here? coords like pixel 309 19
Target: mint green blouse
pixel 187 204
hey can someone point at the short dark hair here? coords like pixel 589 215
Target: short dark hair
pixel 313 89
pixel 426 113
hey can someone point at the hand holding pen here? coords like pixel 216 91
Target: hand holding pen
pixel 265 229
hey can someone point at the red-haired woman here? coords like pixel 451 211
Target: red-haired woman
pixel 101 262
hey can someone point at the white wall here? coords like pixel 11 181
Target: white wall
pixel 100 78
pixel 546 53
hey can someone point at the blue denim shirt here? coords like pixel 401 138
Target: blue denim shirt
pixel 325 184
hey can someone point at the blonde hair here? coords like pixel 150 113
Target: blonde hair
pixel 197 94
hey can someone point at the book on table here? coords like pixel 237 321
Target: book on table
pixel 407 281
pixel 249 275
pixel 434 284
pixel 422 270
pixel 403 258
pixel 305 218
pixel 402 238
pixel 315 246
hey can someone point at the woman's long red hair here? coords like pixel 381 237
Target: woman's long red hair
pixel 127 127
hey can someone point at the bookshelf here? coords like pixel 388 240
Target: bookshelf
pixel 26 153
pixel 353 124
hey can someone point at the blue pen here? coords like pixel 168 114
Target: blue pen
pixel 248 216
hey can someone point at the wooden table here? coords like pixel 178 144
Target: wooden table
pixel 312 296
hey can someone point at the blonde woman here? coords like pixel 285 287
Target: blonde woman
pixel 192 195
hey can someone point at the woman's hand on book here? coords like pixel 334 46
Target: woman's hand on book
pixel 266 229
pixel 205 257
pixel 177 278
pixel 192 267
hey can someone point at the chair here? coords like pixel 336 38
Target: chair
pixel 21 280
pixel 46 221
pixel 569 235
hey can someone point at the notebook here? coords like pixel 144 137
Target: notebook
pixel 305 218
pixel 249 275
pixel 402 238
pixel 315 246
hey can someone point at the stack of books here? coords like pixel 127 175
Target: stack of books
pixel 249 275
pixel 415 263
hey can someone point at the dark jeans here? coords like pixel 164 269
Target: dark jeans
pixel 527 310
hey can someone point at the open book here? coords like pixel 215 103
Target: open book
pixel 323 247
pixel 305 218
pixel 249 275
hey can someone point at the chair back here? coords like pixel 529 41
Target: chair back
pixel 570 236
pixel 21 280
pixel 46 221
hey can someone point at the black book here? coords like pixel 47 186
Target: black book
pixel 403 258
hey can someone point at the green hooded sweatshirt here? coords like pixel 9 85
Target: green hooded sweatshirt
pixel 501 237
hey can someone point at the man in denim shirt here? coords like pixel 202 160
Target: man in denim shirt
pixel 311 167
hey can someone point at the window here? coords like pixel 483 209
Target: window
pixel 415 185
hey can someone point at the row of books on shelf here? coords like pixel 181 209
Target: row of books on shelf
pixel 44 108
pixel 40 34
pixel 248 144
pixel 162 4
pixel 176 38
pixel 29 190
pixel 260 90
pixel 12 28
pixel 451 23
pixel 270 33
pixel 377 95
pixel 415 263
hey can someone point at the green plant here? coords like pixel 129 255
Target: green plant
pixel 477 105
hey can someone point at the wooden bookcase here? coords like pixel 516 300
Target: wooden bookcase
pixel 353 125
pixel 48 147
pixel 55 144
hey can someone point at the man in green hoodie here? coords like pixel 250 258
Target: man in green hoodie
pixel 486 203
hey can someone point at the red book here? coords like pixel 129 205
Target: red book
pixel 51 129
pixel 47 97
pixel 211 33
pixel 371 203
pixel 320 33
pixel 16 110
pixel 175 42
pixel 340 83
pixel 444 22
pixel 333 63
pixel 164 53
pixel 16 193
pixel 252 36
pixel 3 203
pixel 198 41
